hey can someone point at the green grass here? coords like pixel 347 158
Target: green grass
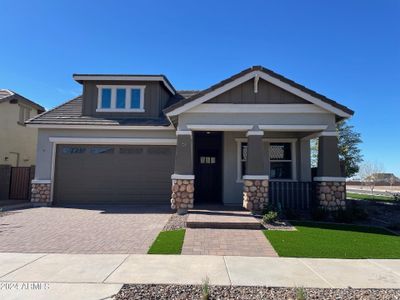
pixel 370 197
pixel 168 242
pixel 334 241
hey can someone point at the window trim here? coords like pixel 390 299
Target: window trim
pixel 128 95
pixel 293 144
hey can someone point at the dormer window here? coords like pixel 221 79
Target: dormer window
pixel 120 98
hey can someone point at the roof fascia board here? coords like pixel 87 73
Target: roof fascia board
pixel 304 95
pixel 100 127
pixel 267 78
pixel 125 78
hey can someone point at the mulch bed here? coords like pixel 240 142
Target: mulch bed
pixel 176 222
pixel 180 292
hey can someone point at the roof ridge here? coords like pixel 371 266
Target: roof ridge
pixel 50 110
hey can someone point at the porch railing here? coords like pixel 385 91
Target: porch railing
pixel 291 195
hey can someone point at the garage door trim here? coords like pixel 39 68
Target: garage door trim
pixel 100 141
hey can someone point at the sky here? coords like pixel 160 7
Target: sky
pixel 346 50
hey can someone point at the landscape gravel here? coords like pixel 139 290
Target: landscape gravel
pixel 180 292
pixel 176 222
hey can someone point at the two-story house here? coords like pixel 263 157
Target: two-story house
pixel 135 139
pixel 17 142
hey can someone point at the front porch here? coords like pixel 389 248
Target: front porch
pixel 251 166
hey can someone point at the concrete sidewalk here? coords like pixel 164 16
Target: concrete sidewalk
pixel 97 276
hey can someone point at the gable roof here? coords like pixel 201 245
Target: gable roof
pixel 268 75
pixel 7 95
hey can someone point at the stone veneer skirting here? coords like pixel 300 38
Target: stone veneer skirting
pixel 255 194
pixel 41 192
pixel 331 195
pixel 182 194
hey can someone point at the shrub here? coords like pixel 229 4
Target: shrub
pixel 291 214
pixel 301 293
pixel 270 217
pixel 319 214
pixel 343 216
pixel 205 289
pixel 394 225
pixel 396 197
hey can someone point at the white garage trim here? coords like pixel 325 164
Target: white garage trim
pixel 112 141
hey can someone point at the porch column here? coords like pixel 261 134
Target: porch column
pixel 330 186
pixel 182 196
pixel 255 190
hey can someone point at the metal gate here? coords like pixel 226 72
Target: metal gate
pixel 292 195
pixel 20 183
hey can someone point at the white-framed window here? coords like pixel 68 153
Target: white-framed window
pixel 117 98
pixel 282 159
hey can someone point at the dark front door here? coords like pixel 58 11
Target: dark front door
pixel 208 167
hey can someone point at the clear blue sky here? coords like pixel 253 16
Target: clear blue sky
pixel 346 50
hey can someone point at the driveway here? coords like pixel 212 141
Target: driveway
pixel 84 229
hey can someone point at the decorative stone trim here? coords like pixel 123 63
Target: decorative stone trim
pixel 182 195
pixel 41 191
pixel 255 194
pixel 331 195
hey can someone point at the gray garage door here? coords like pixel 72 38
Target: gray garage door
pixel 113 174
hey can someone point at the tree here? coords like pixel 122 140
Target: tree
pixel 369 173
pixel 348 148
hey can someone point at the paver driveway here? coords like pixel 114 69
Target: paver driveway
pixel 89 229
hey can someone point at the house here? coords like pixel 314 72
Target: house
pixel 17 142
pixel 129 138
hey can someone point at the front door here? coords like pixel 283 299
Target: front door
pixel 208 165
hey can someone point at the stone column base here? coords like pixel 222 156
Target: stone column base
pixel 41 192
pixel 255 192
pixel 331 195
pixel 182 196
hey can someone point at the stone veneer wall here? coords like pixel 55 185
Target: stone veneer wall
pixel 182 194
pixel 40 193
pixel 331 195
pixel 255 194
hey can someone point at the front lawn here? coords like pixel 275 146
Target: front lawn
pixel 168 242
pixel 369 197
pixel 334 241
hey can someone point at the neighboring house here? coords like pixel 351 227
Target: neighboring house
pixel 17 142
pixel 128 138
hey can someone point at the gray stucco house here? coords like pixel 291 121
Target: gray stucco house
pixel 129 138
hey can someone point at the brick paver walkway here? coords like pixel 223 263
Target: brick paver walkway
pixel 114 229
pixel 242 242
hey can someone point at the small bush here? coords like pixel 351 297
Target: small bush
pixel 205 289
pixel 319 214
pixel 301 293
pixel 394 226
pixel 270 217
pixel 291 214
pixel 343 216
pixel 396 197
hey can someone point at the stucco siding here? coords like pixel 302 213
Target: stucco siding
pixel 44 149
pixel 16 138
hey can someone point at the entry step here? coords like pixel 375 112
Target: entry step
pixel 223 219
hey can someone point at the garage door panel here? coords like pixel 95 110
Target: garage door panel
pixel 128 174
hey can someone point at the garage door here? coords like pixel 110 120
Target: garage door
pixel 113 174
